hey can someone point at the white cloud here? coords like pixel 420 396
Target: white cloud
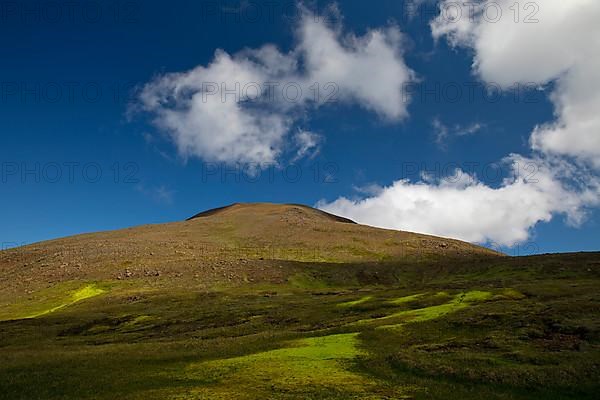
pixel 562 47
pixel 368 70
pixel 468 129
pixel 203 121
pixel 272 89
pixel 443 132
pixel 467 209
pixel 308 144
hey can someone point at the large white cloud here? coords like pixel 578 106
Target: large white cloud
pixel 368 70
pixel 242 107
pixel 562 48
pixel 190 107
pixel 464 208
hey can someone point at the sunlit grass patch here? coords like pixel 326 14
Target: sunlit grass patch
pixel 459 301
pixel 356 302
pixel 308 366
pixel 138 321
pixel 79 295
pixel 306 360
pixel 474 296
pixel 406 299
pixel 49 301
pixel 86 293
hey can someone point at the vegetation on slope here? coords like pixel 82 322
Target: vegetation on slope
pixel 168 312
pixel 506 329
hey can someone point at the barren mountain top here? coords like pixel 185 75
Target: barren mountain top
pixel 233 244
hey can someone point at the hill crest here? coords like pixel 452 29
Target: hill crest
pixel 238 243
pixel 258 208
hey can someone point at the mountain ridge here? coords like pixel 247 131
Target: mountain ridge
pixel 232 244
pixel 224 209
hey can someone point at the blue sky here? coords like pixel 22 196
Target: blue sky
pixel 83 151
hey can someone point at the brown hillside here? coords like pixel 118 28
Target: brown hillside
pixel 241 242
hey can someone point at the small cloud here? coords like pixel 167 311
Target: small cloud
pixel 371 189
pixel 154 143
pixel 440 130
pixel 468 130
pixel 443 132
pixel 308 144
pixel 159 194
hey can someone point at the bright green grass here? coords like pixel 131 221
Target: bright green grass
pixel 539 340
pixel 319 361
pixel 406 299
pixel 79 295
pixel 460 301
pixel 317 365
pixel 510 294
pixel 54 300
pixel 356 302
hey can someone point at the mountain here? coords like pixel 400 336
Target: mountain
pixel 264 301
pixel 219 244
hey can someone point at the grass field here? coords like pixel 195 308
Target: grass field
pixel 497 328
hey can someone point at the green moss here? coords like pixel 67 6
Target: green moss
pixel 50 301
pixel 474 296
pixel 79 295
pixel 243 342
pixel 355 302
pixel 86 293
pixel 319 362
pixel 460 301
pixel 137 321
pixel 406 299
pixel 510 294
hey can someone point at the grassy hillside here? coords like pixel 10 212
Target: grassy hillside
pixel 243 242
pixel 433 323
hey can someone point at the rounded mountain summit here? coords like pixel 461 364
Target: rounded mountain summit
pixel 243 241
